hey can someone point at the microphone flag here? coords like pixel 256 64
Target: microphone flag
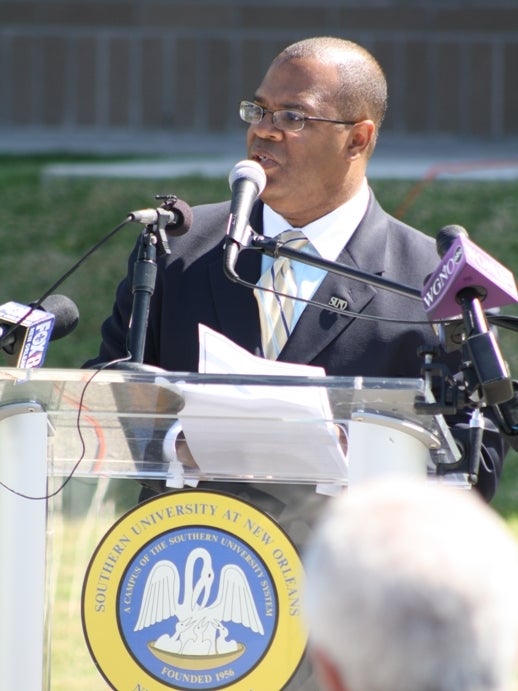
pixel 465 265
pixel 33 334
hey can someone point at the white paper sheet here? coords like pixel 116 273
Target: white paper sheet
pixel 281 433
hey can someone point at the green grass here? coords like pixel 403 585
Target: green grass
pixel 48 225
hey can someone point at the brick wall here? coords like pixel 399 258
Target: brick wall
pixel 163 65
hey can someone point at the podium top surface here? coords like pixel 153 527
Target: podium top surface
pixel 114 422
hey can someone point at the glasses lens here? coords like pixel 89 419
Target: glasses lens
pixel 288 120
pixel 250 112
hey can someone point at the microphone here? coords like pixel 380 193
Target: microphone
pixel 247 180
pixel 27 343
pixel 463 265
pixel 177 218
pixel 466 277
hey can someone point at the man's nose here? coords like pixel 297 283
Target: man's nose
pixel 265 128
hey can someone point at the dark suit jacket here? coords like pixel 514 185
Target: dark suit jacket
pixel 191 288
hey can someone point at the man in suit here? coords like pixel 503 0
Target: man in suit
pixel 313 125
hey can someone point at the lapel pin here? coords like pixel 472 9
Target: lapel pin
pixel 338 303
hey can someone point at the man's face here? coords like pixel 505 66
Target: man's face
pixel 306 170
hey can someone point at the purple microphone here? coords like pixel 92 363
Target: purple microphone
pixel 465 265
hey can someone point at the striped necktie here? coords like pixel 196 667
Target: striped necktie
pixel 276 310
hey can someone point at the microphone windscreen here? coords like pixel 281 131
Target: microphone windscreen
pixel 184 224
pixel 446 237
pixel 248 170
pixel 65 312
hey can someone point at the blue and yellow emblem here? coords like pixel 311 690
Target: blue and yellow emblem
pixel 194 590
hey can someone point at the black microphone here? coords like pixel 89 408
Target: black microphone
pixel 177 219
pixel 466 285
pixel 26 330
pixel 66 315
pixel 247 180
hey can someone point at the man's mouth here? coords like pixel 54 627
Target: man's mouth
pixel 265 160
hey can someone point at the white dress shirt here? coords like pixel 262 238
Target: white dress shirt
pixel 327 236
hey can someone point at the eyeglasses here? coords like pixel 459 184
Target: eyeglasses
pixel 285 120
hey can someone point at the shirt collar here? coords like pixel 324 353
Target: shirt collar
pixel 330 233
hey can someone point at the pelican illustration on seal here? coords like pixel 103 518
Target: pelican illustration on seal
pixel 199 631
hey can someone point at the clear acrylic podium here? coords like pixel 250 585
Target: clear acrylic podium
pixel 77 445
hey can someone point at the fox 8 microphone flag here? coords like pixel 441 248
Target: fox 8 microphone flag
pixel 37 330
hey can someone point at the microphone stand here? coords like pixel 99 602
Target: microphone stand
pixel 143 286
pixel 153 244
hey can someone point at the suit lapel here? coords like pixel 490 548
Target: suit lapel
pixel 317 327
pixel 236 306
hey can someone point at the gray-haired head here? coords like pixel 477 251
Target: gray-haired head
pixel 413 587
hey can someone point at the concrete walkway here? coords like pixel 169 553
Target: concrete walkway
pixel 169 155
pixel 406 159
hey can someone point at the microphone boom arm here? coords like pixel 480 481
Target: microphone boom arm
pixel 276 249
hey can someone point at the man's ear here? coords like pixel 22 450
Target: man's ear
pixel 361 139
pixel 326 671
